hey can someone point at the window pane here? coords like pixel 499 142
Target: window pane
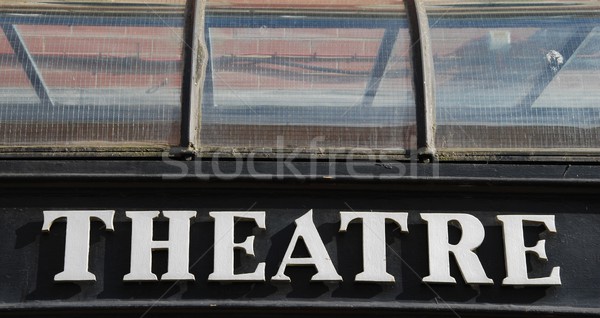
pixel 310 77
pixel 512 76
pixel 91 74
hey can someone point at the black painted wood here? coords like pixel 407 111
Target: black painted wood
pixel 31 258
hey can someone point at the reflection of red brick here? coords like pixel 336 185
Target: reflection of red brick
pixel 235 80
pixel 284 47
pixel 98 46
pixel 142 42
pixel 172 79
pixel 244 33
pixel 235 47
pixel 44 30
pixel 4 45
pixel 67 78
pixel 339 48
pixel 35 44
pixel 228 81
pixel 216 33
pixel 167 49
pixel 60 78
pixel 268 82
pixel 154 32
pixel 124 80
pixel 13 77
pixel 296 42
pixel 311 33
pixel 355 66
pixel 97 31
pixel 72 79
pixel 371 48
pixel 335 50
pixel 361 33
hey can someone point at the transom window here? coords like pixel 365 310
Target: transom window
pixel 445 79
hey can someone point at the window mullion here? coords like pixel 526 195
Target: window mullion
pixel 193 81
pixel 424 80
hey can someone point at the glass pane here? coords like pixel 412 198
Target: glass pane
pixel 301 76
pixel 516 76
pixel 91 74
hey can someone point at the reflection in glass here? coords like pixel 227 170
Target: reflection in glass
pixel 314 79
pixel 516 77
pixel 91 74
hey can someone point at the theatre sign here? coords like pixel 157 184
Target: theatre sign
pixel 373 241
pixel 266 249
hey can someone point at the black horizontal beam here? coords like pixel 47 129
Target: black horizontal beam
pixel 356 173
pixel 299 308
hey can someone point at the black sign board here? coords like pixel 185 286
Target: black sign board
pixel 31 258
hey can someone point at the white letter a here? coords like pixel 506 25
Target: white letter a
pixel 305 229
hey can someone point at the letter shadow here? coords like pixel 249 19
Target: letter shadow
pixel 50 261
pixel 202 262
pixel 415 265
pixel 491 255
pixel 300 285
pixel 350 257
pixel 116 260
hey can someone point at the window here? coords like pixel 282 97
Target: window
pixel 87 75
pixel 302 76
pixel 432 77
pixel 516 76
